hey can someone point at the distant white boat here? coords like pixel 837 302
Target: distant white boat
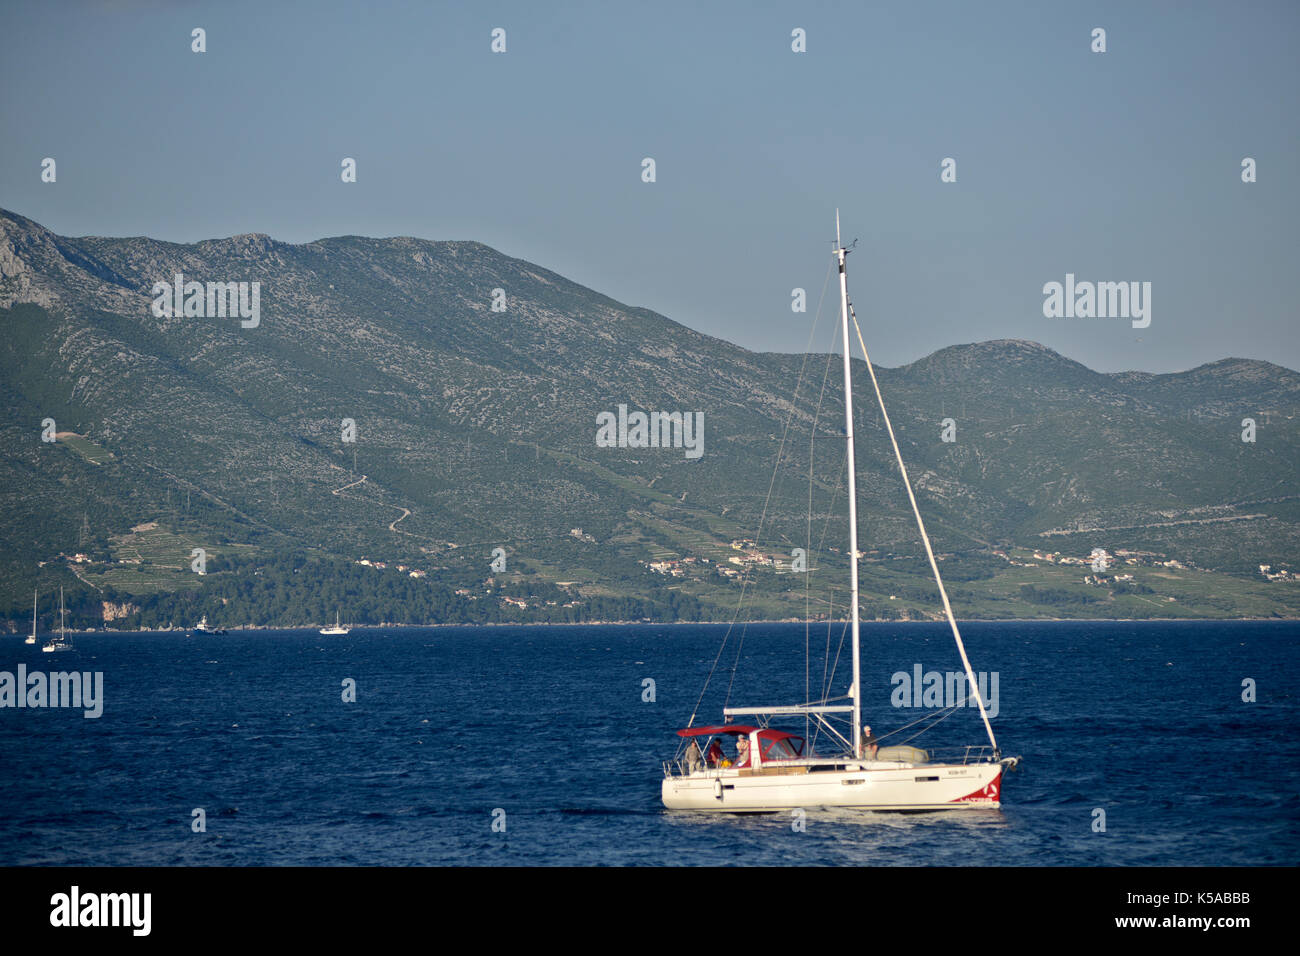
pixel 337 629
pixel 60 643
pixel 202 627
pixel 31 638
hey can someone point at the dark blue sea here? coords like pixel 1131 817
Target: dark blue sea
pixel 1144 722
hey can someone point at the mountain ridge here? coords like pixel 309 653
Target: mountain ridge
pixel 260 243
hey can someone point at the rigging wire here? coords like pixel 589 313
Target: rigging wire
pixel 745 581
pixel 812 441
pixel 776 468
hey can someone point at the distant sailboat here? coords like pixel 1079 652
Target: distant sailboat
pixel 31 638
pixel 336 629
pixel 61 643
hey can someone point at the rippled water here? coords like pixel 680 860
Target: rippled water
pixel 1143 721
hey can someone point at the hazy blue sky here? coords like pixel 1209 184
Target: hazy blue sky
pixel 1116 166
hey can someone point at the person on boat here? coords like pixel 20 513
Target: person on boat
pixel 714 756
pixel 694 760
pixel 869 743
pixel 742 751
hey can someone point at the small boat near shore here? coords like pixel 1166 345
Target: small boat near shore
pixel 337 630
pixel 62 642
pixel 31 638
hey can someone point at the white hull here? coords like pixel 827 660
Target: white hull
pixel 869 786
pixel 335 630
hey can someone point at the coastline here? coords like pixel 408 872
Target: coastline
pixel 973 620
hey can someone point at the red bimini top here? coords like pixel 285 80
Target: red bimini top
pixel 732 729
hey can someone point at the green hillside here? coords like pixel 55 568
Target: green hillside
pixel 476 430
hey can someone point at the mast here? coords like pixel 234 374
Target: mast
pixel 62 629
pixel 33 613
pixel 840 254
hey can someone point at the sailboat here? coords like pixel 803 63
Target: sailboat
pixel 31 638
pixel 770 770
pixel 336 629
pixel 60 643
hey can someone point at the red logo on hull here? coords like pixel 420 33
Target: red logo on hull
pixel 990 793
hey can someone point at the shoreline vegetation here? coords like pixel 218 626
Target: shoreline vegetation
pixel 250 591
pixel 845 621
